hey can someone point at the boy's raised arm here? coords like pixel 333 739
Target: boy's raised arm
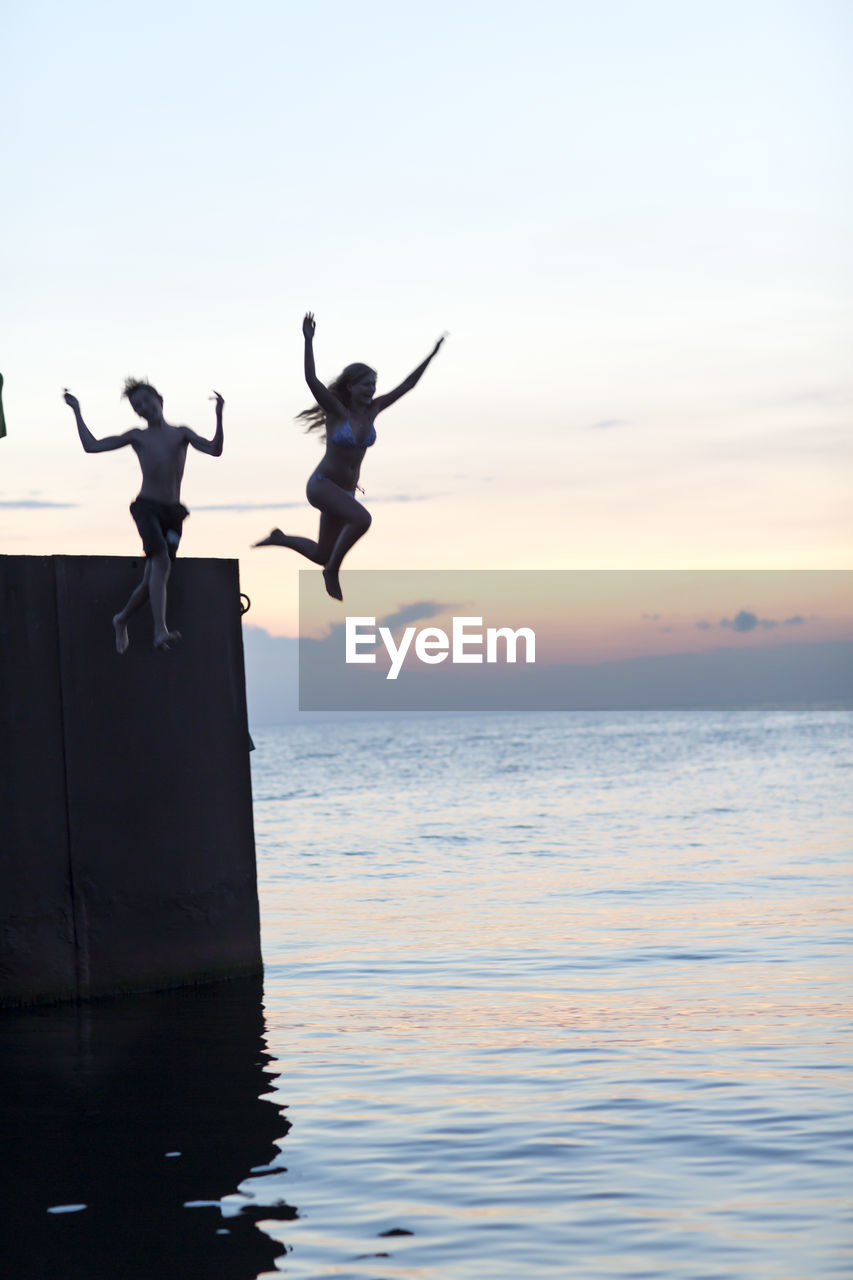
pixel 214 446
pixel 88 441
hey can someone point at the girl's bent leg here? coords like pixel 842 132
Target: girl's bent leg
pixel 343 521
pixel 304 546
pixel 347 538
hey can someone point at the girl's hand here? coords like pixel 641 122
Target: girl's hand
pixel 308 326
pixel 437 346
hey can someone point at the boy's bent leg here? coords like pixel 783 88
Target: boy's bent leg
pixel 159 525
pixel 161 567
pixel 137 599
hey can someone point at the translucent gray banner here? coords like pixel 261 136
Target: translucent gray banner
pixel 475 640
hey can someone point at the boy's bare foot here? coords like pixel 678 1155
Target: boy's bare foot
pixel 166 640
pixel 122 638
pixel 276 539
pixel 333 586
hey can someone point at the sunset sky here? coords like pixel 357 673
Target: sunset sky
pixel 633 220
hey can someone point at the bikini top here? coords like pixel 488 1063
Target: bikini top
pixel 344 436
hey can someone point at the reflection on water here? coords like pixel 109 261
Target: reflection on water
pixel 98 1101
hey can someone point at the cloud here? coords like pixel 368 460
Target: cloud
pixel 821 395
pixel 769 623
pixel 606 423
pixel 283 506
pixel 743 621
pixel 656 617
pixel 407 613
pixel 399 497
pixel 413 613
pixel 33 502
pixel 248 506
pixel 746 621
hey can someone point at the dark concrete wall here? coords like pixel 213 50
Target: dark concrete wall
pixel 126 842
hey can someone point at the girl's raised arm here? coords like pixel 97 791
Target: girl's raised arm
pixel 319 391
pixel 382 402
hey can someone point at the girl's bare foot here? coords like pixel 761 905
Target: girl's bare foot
pixel 165 641
pixel 275 539
pixel 333 586
pixel 122 638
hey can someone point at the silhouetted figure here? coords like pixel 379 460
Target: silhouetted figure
pixel 346 409
pixel 159 515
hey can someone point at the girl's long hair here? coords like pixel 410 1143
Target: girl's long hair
pixel 315 417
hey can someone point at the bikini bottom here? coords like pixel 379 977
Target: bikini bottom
pixel 311 487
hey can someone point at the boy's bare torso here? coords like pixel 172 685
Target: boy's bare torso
pixel 162 454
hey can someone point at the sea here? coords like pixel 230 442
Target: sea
pixel 545 996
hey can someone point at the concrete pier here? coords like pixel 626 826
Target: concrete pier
pixel 127 857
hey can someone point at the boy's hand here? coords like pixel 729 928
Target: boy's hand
pixel 219 401
pixel 71 401
pixel 308 325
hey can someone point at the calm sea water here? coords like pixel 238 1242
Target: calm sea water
pixel 562 995
pixel 545 996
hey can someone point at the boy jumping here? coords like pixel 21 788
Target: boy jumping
pixel 159 515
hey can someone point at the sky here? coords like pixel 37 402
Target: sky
pixel 631 219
